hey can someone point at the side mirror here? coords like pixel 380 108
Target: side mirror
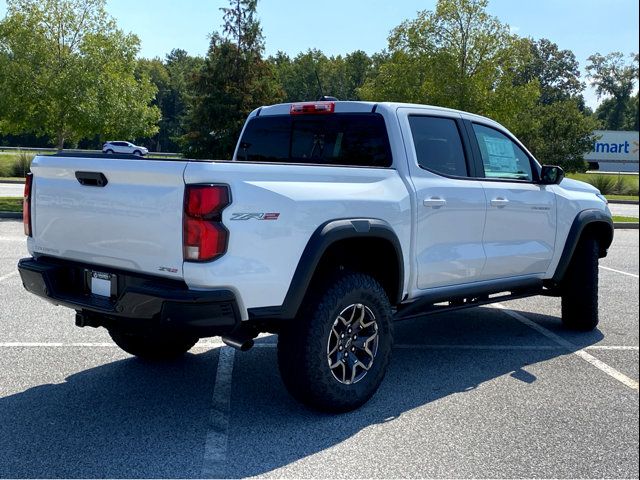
pixel 551 175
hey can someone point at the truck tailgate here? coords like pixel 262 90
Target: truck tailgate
pixel 134 222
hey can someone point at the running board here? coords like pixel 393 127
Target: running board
pixel 421 308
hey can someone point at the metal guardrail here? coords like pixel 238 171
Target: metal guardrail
pixel 77 150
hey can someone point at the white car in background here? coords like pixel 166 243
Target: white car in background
pixel 124 147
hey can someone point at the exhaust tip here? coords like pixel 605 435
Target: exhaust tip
pixel 239 343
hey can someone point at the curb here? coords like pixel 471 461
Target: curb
pixel 623 202
pixel 13 215
pixel 625 225
pixel 16 182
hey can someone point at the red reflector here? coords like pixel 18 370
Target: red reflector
pixel 205 200
pixel 312 108
pixel 26 205
pixel 203 240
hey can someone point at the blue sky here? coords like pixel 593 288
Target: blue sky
pixel 341 26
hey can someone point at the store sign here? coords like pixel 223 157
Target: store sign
pixel 615 147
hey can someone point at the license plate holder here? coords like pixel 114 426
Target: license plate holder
pixel 102 284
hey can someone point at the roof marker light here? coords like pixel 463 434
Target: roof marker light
pixel 313 108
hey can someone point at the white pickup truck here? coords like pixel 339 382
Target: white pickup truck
pixel 332 220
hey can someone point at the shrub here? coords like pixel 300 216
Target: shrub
pixel 622 187
pixel 604 183
pixel 21 165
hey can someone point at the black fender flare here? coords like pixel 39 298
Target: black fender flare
pixel 582 221
pixel 322 238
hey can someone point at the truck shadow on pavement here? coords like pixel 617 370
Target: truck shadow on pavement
pixel 128 418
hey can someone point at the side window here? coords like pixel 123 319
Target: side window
pixel 438 145
pixel 501 157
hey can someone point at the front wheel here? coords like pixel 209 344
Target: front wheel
pixel 580 287
pixel 334 355
pixel 153 345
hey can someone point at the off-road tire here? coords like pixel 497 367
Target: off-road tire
pixel 153 346
pixel 580 287
pixel 303 346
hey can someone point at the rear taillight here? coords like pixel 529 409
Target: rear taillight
pixel 204 236
pixel 26 204
pixel 316 108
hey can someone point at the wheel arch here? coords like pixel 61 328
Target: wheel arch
pixel 349 241
pixel 587 223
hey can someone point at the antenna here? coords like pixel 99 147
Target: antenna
pixel 323 97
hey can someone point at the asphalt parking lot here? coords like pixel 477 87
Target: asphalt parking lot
pixel 487 392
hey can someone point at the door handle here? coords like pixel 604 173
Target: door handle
pixel 434 202
pixel 499 202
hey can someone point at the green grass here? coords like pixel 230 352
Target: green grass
pixel 7 160
pixel 15 164
pixel 10 204
pixel 622 197
pixel 621 219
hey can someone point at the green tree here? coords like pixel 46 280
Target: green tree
pixel 632 116
pixel 232 82
pixel 339 76
pixel 615 78
pixel 182 69
pixel 557 71
pixel 68 73
pixel 560 130
pixel 457 56
pixel 170 78
pixel 157 73
pixel 560 134
pixel 608 110
pixel 299 76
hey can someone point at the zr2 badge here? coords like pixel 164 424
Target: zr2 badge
pixel 255 216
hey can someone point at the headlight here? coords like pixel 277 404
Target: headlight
pixel 602 197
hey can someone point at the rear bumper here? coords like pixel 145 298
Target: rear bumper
pixel 137 300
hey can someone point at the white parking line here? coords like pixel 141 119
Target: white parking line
pixel 599 364
pixel 216 445
pixel 611 347
pixel 477 347
pixel 7 276
pixel 619 271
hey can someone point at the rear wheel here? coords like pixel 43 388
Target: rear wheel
pixel 580 287
pixel 153 345
pixel 334 355
pixel 109 152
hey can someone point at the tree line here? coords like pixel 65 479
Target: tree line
pixel 70 77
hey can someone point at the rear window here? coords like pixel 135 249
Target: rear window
pixel 337 139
